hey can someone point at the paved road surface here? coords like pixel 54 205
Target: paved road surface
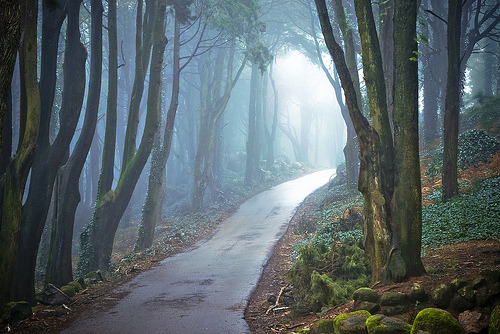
pixel 205 289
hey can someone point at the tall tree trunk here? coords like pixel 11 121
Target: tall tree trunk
pixel 14 180
pixel 386 17
pixel 49 158
pixel 271 134
pixel 59 266
pixel 151 212
pixel 10 26
pixel 108 151
pixel 97 238
pixel 452 103
pixel 407 201
pixel 252 126
pixel 6 149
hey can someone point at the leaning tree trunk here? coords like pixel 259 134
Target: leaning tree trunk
pixel 452 103
pixel 151 212
pixel 14 180
pixel 59 265
pixel 49 157
pixel 97 238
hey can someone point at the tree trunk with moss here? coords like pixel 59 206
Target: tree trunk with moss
pixel 49 157
pixel 14 180
pixel 452 102
pixel 151 212
pixel 10 26
pixel 378 161
pixel 59 265
pixel 97 238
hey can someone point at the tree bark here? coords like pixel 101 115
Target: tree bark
pixel 452 102
pixel 252 126
pixel 59 266
pixel 13 181
pixel 97 239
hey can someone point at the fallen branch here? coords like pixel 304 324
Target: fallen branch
pixel 277 300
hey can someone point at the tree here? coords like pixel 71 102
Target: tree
pixel 59 266
pixel 97 238
pixel 389 242
pixel 13 182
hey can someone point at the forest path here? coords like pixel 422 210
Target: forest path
pixel 206 288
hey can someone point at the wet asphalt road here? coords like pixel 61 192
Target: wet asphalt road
pixel 206 288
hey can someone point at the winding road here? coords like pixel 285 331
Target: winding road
pixel 206 288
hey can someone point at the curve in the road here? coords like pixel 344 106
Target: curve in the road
pixel 205 290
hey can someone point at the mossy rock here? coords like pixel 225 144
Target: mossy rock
pixel 442 295
pixel 495 289
pixel 96 276
pixel 76 285
pixel 393 299
pixel 458 283
pixel 436 321
pixel 394 310
pixel 322 326
pixel 417 293
pixel 366 295
pixel 68 290
pixel 367 306
pixel 491 276
pixel 460 304
pixel 351 323
pixel 81 281
pixel 16 311
pixel 378 324
pixel 494 327
pixel 479 283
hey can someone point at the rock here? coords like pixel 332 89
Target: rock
pixel 322 326
pixel 473 321
pixel 16 311
pixel 394 310
pixel 68 290
pixel 393 299
pixel 494 327
pixel 436 321
pixel 491 276
pixel 379 323
pixel 366 295
pixel 458 283
pixel 53 296
pixel 81 281
pixel 483 297
pixel 367 306
pixel 94 277
pixel 351 323
pixel 460 304
pixel 468 293
pixel 479 283
pixel 76 285
pixel 495 289
pixel 442 295
pixel 417 293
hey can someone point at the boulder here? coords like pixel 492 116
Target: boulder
pixel 378 324
pixel 81 281
pixel 473 321
pixel 51 295
pixel 77 286
pixel 458 283
pixel 351 323
pixel 417 293
pixel 436 321
pixel 394 310
pixel 366 295
pixel 393 299
pixel 442 295
pixel 491 276
pixel 323 326
pixel 16 311
pixel 367 306
pixel 69 290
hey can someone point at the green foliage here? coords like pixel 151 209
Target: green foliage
pixel 485 116
pixel 474 146
pixel 470 216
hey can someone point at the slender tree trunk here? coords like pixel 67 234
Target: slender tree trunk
pixel 271 135
pixel 49 158
pixel 151 212
pixel 14 180
pixel 452 103
pixel 59 266
pixel 10 26
pixel 252 127
pixel 407 201
pixel 97 238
